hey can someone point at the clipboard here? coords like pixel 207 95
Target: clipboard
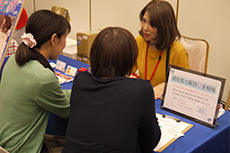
pixel 166 140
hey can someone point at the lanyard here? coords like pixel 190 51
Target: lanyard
pixel 146 63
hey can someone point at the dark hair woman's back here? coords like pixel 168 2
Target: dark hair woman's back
pixel 113 53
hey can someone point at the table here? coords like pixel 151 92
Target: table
pixel 199 139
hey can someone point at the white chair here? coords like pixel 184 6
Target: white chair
pixel 197 51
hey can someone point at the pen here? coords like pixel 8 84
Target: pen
pixel 178 120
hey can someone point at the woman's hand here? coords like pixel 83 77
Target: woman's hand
pixel 133 75
pixel 159 90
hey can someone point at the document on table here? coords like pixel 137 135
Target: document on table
pixel 63 78
pixel 171 129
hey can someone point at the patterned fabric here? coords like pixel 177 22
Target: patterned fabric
pixel 12 48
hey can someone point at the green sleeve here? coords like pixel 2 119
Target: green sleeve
pixel 53 99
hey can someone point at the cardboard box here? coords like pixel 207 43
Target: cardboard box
pixel 85 41
pixel 83 59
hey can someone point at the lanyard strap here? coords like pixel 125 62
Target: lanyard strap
pixel 146 58
pixel 167 63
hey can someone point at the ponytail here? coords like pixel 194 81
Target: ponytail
pixel 23 54
pixel 40 27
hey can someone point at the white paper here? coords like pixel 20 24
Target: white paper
pixel 60 65
pixel 79 38
pixel 85 37
pixel 170 129
pixel 71 70
pixel 62 78
pixel 221 112
pixel 52 64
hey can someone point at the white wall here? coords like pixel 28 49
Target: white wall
pixel 124 13
pixel 78 9
pixel 207 19
pixel 210 20
pixel 29 6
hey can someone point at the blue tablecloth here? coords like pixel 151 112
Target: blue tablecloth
pixel 199 139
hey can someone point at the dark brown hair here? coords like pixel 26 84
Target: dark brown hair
pixel 42 25
pixel 162 17
pixel 113 53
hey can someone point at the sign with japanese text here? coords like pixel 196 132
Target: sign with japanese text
pixel 193 94
pixel 10 11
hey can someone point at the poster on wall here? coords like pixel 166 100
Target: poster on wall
pixel 10 11
pixel 193 94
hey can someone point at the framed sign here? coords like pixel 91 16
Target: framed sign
pixel 10 11
pixel 193 94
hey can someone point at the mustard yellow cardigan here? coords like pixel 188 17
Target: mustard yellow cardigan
pixel 178 57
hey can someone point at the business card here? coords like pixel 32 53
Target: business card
pixel 60 65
